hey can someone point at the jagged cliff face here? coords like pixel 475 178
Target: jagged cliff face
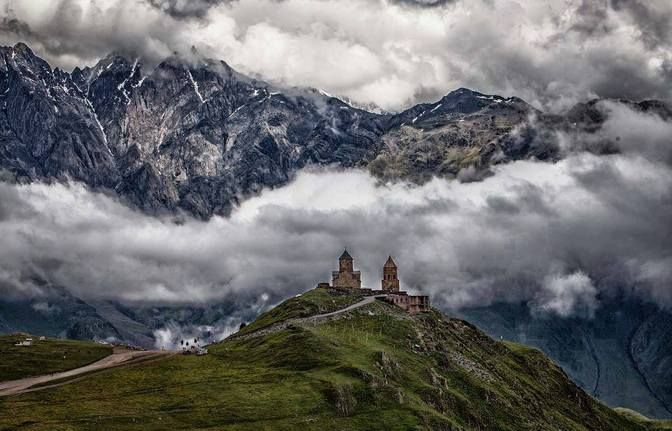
pixel 191 136
pixel 48 128
pixel 198 136
pixel 460 135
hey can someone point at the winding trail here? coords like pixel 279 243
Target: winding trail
pixel 366 301
pixel 116 359
pixel 310 319
pixel 129 357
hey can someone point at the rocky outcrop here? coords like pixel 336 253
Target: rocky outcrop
pixel 48 128
pixel 192 136
pixel 199 137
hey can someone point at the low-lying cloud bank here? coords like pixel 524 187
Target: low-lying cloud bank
pixel 172 335
pixel 555 235
pixel 392 53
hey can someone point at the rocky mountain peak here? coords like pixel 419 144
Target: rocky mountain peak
pixel 195 134
pixel 21 59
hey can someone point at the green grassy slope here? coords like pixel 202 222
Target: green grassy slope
pixel 45 357
pixel 375 368
pixel 316 301
pixel 650 424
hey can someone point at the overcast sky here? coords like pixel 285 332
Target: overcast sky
pixel 554 235
pixel 392 53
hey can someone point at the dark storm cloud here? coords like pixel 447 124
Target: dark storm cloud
pixel 199 8
pixel 424 3
pixel 185 8
pixel 15 27
pixel 555 235
pixel 551 53
pixel 652 17
pixel 592 18
pixel 71 33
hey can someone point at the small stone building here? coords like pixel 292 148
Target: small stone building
pixel 25 343
pixel 411 303
pixel 346 276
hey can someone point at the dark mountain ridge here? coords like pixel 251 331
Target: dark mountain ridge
pixel 199 137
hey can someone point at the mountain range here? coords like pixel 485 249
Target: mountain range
pixel 197 136
pixel 194 136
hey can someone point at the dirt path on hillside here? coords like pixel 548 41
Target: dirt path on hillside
pixel 310 319
pixel 116 359
pixel 366 301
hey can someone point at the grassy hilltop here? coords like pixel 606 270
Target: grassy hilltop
pixel 376 367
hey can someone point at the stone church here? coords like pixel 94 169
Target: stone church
pixel 347 278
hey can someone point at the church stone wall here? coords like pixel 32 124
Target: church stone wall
pixel 411 303
pixel 351 280
pixel 346 277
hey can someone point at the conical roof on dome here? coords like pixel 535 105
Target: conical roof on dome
pixel 345 255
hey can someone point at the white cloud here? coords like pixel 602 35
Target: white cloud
pixel 171 335
pixel 501 239
pixel 391 53
pixel 566 295
pixel 555 235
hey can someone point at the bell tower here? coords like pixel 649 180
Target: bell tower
pixel 345 262
pixel 390 282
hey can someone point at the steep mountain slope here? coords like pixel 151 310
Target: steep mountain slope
pixel 375 367
pixel 47 127
pixel 462 134
pixel 621 355
pixel 196 135
pixel 55 313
